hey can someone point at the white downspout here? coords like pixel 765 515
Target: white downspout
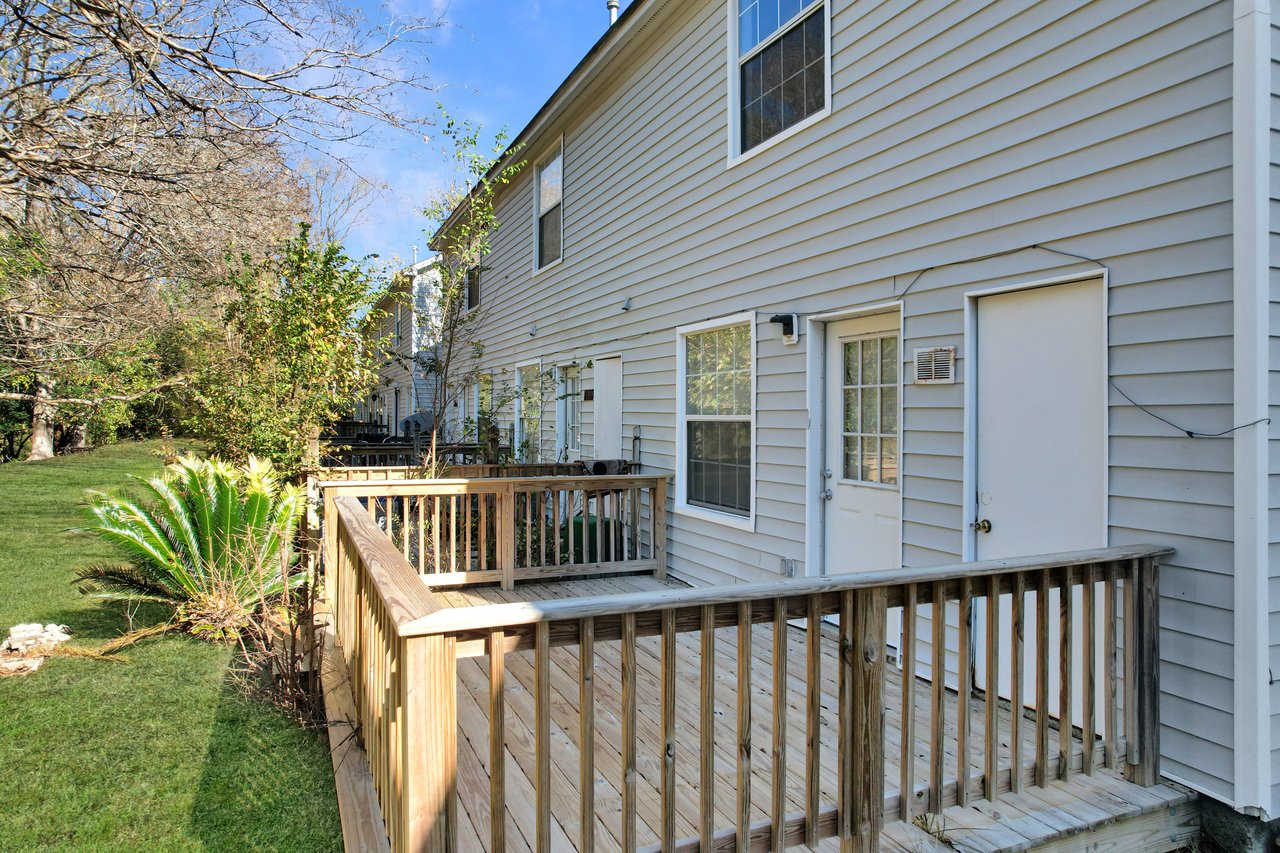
pixel 1251 129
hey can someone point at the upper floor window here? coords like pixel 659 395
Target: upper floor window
pixel 782 66
pixel 549 208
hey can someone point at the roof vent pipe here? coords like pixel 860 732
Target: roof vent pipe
pixel 613 11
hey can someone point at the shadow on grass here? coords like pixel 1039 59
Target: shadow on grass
pixel 102 621
pixel 266 784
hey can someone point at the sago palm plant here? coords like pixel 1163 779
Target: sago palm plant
pixel 212 541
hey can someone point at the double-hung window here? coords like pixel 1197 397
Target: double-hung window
pixel 716 409
pixel 782 66
pixel 549 208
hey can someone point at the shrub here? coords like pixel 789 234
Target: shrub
pixel 213 542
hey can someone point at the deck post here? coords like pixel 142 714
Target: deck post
pixel 1142 605
pixel 866 776
pixel 428 744
pixel 659 508
pixel 505 529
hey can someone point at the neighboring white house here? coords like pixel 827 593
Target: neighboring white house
pixel 908 282
pixel 403 388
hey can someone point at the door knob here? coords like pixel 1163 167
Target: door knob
pixel 983 526
pixel 825 494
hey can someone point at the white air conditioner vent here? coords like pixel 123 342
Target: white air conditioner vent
pixel 936 366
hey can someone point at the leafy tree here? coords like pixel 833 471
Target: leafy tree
pixel 464 220
pixel 296 347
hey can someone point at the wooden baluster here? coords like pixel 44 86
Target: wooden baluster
pixel 633 540
pixel 467 515
pixel 991 762
pixel 599 557
pixel 779 780
pixel 629 675
pixel 555 521
pixel 964 693
pixel 1143 767
pixel 404 526
pixel 1088 655
pixel 482 532
pixel 668 698
pixel 1042 678
pixel 542 734
pixel 435 534
pixel 422 538
pixel 528 529
pixel 1016 700
pixel 505 524
pixel 1066 671
pixel 813 721
pixel 453 533
pixel 572 533
pixel 497 742
pixel 743 839
pixel 587 735
pixel 907 656
pixel 707 754
pixel 938 673
pixel 1110 667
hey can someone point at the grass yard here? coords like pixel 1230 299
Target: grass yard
pixel 159 753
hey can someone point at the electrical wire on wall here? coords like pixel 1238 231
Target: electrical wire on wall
pixel 1006 252
pixel 1190 433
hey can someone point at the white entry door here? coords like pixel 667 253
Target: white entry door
pixel 1041 435
pixel 607 409
pixel 862 405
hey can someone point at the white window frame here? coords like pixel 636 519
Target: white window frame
pixel 734 73
pixel 565 451
pixel 682 505
pixel 519 420
pixel 551 153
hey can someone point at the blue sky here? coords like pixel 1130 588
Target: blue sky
pixel 494 63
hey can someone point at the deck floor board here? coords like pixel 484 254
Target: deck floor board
pixel 1013 822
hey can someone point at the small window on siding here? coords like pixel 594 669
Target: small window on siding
pixel 473 288
pixel 717 426
pixel 528 413
pixel 782 66
pixel 549 203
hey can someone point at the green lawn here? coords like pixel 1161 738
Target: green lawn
pixel 159 753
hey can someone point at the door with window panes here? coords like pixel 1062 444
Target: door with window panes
pixel 863 392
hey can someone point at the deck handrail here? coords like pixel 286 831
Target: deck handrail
pixel 460 620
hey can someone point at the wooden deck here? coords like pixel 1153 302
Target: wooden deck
pixel 1098 809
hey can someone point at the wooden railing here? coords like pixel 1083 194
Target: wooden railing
pixel 391 632
pixel 400 453
pixel 512 529
pixel 453 472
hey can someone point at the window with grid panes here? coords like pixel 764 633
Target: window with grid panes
pixel 782 59
pixel 870 432
pixel 718 419
pixel 549 200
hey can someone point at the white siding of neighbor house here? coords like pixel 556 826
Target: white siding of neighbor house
pixel 1098 127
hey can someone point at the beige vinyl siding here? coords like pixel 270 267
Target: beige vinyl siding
pixel 1098 128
